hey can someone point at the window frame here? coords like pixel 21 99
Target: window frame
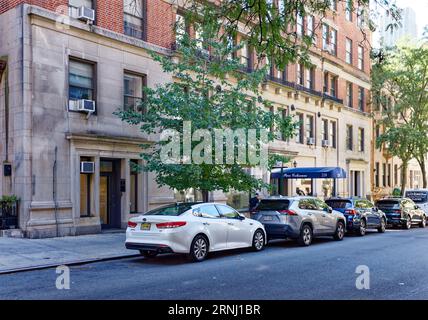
pixel 94 80
pixel 348 53
pixel 144 85
pixel 143 21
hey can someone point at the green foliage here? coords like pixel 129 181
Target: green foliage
pixel 8 201
pixel 400 91
pixel 271 28
pixel 212 92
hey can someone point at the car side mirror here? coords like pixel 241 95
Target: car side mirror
pixel 241 217
pixel 376 209
pixel 417 207
pixel 328 210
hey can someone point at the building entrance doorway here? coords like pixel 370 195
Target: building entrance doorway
pixel 110 195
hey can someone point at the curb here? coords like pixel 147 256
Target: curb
pixel 72 263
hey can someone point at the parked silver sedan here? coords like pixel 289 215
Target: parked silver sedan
pixel 300 218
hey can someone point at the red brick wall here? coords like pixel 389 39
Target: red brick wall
pixel 109 14
pixel 160 22
pixel 6 5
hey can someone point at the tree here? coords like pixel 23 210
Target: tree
pixel 400 87
pixel 210 96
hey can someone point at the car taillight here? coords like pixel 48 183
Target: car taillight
pixel 170 225
pixel 397 211
pixel 288 212
pixel 351 212
pixel 132 224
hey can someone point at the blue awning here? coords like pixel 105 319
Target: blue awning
pixel 310 173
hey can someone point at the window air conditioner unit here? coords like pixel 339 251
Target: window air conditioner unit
pixel 325 144
pixel 87 167
pixel 86 14
pixel 86 105
pixel 311 141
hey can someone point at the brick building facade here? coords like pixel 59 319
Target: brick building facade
pixel 48 65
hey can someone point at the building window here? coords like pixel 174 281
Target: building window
pixel 333 41
pixel 377 174
pixel 349 138
pixel 348 10
pixel 133 93
pixel 396 175
pixel 283 114
pixel 300 74
pixel 245 56
pixel 349 95
pixel 75 5
pixel 300 128
pixel 333 134
pixel 310 78
pixel 333 86
pixel 389 175
pixel 377 131
pixel 361 139
pixel 325 41
pixel 361 98
pixel 133 192
pixel 299 24
pixel 360 57
pixel 133 18
pixel 360 17
pixel 310 26
pixel 326 78
pixel 324 130
pixel 180 27
pixel 81 80
pixel 309 126
pixel 333 4
pixel 384 174
pixel 348 57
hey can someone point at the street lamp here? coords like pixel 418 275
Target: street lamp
pixel 280 164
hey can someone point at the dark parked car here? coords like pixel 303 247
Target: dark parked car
pixel 402 212
pixel 360 214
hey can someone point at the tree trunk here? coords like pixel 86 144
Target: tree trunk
pixel 205 194
pixel 403 177
pixel 421 162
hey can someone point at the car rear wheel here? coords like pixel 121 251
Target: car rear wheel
pixel 423 222
pixel 258 240
pixel 198 249
pixel 408 224
pixel 382 226
pixel 362 229
pixel 340 231
pixel 306 235
pixel 148 253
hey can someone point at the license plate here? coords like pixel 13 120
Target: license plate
pixel 145 226
pixel 267 218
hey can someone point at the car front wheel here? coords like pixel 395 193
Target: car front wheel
pixel 340 231
pixel 423 222
pixel 305 238
pixel 198 249
pixel 382 226
pixel 362 229
pixel 258 240
pixel 408 224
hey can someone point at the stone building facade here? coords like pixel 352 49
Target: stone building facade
pixel 49 59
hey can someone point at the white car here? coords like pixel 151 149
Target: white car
pixel 193 228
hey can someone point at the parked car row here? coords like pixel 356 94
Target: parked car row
pixel 198 228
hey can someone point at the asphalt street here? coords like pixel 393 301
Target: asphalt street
pixel 397 262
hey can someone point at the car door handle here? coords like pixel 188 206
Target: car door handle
pixel 206 224
pixel 324 215
pixel 309 214
pixel 230 223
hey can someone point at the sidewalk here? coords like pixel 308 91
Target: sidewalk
pixel 27 254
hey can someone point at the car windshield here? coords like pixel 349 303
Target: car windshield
pixel 339 204
pixel 273 205
pixel 417 196
pixel 170 210
pixel 388 204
